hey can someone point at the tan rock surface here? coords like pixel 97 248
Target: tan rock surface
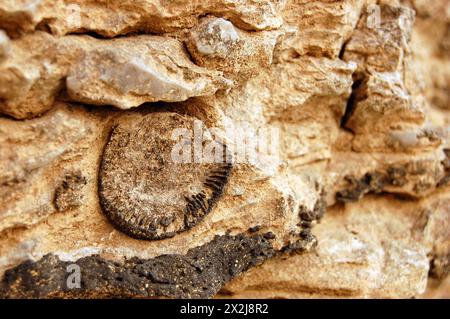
pixel 112 18
pixel 375 248
pixel 336 115
pixel 123 72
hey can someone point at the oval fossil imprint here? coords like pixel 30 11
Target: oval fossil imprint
pixel 145 192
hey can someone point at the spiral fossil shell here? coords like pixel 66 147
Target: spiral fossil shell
pixel 144 192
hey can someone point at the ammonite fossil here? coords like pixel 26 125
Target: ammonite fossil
pixel 146 192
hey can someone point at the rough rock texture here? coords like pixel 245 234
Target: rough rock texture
pixel 116 17
pixel 336 115
pixel 198 274
pixel 377 248
pixel 124 72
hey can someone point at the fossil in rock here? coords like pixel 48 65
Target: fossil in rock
pixel 150 185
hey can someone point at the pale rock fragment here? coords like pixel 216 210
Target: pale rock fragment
pixel 217 44
pixel 365 250
pixel 414 140
pixel 383 104
pixel 382 47
pixel 156 69
pixel 217 38
pixel 29 79
pixel 385 99
pixel 321 28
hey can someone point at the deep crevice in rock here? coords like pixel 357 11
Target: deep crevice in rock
pixel 352 101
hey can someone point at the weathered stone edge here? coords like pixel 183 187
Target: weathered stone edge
pixel 198 274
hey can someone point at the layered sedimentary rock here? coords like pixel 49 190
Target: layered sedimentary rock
pixel 112 18
pixel 368 249
pixel 407 239
pixel 123 72
pixel 331 128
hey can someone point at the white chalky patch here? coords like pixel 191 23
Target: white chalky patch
pixel 217 38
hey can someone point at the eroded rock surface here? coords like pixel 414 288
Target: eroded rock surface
pixel 335 115
pixel 368 250
pixel 198 274
pixel 112 18
pixel 123 72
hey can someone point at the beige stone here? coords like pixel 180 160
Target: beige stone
pixel 347 198
pixel 156 69
pixel 366 250
pixel 123 72
pixel 112 18
pixel 321 28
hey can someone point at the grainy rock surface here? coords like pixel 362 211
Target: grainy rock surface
pixel 334 117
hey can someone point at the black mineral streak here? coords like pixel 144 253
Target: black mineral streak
pixel 375 182
pixel 197 206
pixel 353 100
pixel 198 274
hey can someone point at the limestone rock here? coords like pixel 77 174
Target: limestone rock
pixel 4 46
pixel 123 72
pixel 438 289
pixel 383 100
pixel 156 69
pixel 112 18
pixel 321 28
pixel 366 250
pixel 335 115
pixel 51 198
pixel 429 41
pixel 32 151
